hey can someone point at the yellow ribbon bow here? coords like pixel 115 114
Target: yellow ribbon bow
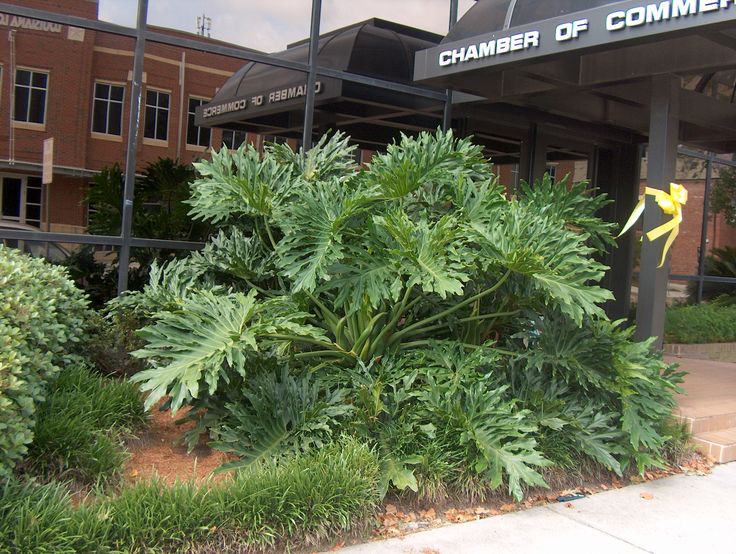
pixel 671 204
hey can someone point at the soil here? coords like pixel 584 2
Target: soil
pixel 155 454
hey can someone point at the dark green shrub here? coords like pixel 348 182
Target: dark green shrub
pixel 405 284
pixel 720 263
pixel 703 323
pixel 42 322
pixel 110 342
pixel 78 427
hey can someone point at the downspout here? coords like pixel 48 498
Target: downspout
pixel 182 77
pixel 11 80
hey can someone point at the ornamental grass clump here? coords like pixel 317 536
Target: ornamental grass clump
pixel 411 304
pixel 42 323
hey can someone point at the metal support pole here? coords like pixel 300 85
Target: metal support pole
pixel 447 114
pixel 312 76
pixel 704 225
pixel 661 167
pixel 130 161
pixel 533 157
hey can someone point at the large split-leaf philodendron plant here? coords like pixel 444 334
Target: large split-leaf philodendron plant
pixel 385 301
pixel 348 265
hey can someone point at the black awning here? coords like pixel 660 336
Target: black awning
pixel 593 60
pixel 270 100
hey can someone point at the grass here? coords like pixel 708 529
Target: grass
pixel 297 502
pixel 80 425
pixel 704 323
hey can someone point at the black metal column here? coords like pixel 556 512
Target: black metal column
pixel 533 157
pixel 704 225
pixel 616 172
pixel 131 157
pixel 662 163
pixel 447 114
pixel 312 76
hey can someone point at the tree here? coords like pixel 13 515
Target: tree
pixel 723 196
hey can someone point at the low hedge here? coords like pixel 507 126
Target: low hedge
pixel 42 318
pixel 297 502
pixel 704 323
pixel 81 425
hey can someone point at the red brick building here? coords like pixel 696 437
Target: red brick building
pixel 74 85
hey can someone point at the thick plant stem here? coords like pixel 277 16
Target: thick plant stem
pixel 425 322
pixel 391 325
pixel 305 340
pixel 482 317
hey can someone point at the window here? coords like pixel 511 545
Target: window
pixel 157 115
pixel 199 136
pixel 30 96
pixel 552 172
pixel 20 199
pixel 107 110
pixel 233 139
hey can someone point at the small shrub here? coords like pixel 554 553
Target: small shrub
pixel 703 323
pixel 79 426
pixel 111 340
pixel 720 263
pixel 42 322
pixel 299 501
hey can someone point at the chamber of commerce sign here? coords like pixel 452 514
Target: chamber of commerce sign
pixel 619 22
pixel 17 22
pixel 259 100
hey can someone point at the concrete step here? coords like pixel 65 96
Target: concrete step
pixel 719 445
pixel 700 421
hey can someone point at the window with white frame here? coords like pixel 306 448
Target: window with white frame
pixel 157 115
pixel 20 199
pixel 233 139
pixel 107 109
pixel 197 136
pixel 31 88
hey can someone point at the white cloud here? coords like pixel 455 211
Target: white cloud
pixel 270 26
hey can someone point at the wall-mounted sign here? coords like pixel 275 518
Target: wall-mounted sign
pixel 18 22
pixel 47 176
pixel 258 100
pixel 614 23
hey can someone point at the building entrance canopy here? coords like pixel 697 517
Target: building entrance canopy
pixel 593 60
pixel 270 100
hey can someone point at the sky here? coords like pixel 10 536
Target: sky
pixel 269 25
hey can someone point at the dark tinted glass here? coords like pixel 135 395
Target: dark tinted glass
pixel 11 197
pixel 149 130
pixel 102 90
pixel 116 93
pixel 39 80
pixel 20 110
pixel 33 195
pixel 37 106
pixel 33 213
pixel 98 116
pixel 162 122
pixel 23 77
pixel 529 11
pixel 115 117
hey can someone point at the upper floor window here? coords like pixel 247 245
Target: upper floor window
pixel 157 115
pixel 233 139
pixel 31 88
pixel 199 136
pixel 107 111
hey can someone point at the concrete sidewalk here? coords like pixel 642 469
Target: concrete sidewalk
pixel 685 514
